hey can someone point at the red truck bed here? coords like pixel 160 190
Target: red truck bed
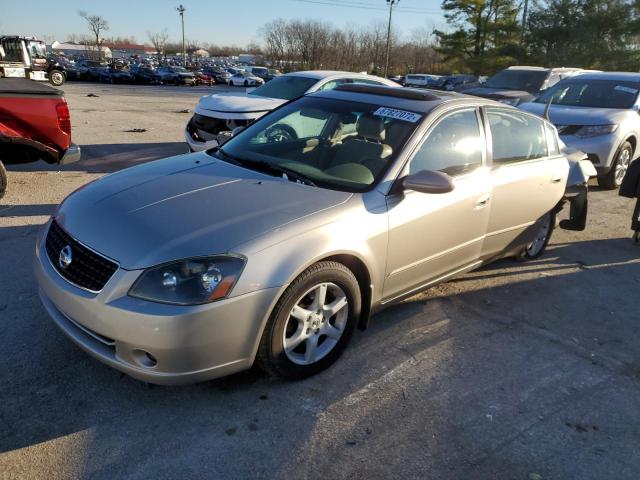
pixel 34 123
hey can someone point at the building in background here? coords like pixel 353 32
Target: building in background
pixel 73 50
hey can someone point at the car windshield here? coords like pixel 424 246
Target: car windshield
pixel 286 87
pixel 527 80
pixel 333 144
pixel 578 92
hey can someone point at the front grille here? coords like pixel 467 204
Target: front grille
pixel 87 269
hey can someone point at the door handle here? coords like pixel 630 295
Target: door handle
pixel 483 201
pixel 556 179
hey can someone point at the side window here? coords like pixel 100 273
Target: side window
pixel 330 85
pixel 516 137
pixel 552 140
pixel 454 146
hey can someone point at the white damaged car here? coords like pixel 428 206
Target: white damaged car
pixel 218 114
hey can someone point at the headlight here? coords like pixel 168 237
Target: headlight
pixel 189 282
pixel 510 101
pixel 595 130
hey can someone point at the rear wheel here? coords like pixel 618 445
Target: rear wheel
pixel 3 180
pixel 56 77
pixel 613 179
pixel 312 323
pixel 544 228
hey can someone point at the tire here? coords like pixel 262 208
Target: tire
pixel 538 246
pixel 56 77
pixel 3 180
pixel 280 132
pixel 298 360
pixel 613 178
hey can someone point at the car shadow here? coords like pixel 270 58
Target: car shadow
pixel 420 366
pixel 108 158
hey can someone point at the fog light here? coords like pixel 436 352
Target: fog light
pixel 144 359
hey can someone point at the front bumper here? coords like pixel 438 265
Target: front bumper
pixel 187 344
pixel 72 155
pixel 601 149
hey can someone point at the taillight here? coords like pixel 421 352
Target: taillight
pixel 64 119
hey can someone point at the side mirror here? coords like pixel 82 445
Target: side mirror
pixel 427 181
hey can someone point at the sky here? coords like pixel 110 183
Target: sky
pixel 222 22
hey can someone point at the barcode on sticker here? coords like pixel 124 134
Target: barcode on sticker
pixel 397 114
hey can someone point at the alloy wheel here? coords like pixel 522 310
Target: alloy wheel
pixel 540 240
pixel 622 165
pixel 316 323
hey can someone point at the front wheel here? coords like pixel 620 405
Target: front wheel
pixel 613 179
pixel 544 228
pixel 312 323
pixel 56 78
pixel 3 180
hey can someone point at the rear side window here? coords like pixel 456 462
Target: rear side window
pixel 552 140
pixel 516 137
pixel 454 146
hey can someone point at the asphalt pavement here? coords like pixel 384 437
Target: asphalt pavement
pixel 515 371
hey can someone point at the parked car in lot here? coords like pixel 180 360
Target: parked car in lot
pixel 146 75
pixel 420 80
pixel 203 79
pixel 275 251
pixel 220 75
pixel 88 69
pixel 245 79
pixel 265 73
pixel 455 83
pixel 34 124
pixel 515 85
pixel 597 113
pixel 216 115
pixel 118 75
pixel 176 76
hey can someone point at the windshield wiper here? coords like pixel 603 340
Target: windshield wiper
pixel 286 173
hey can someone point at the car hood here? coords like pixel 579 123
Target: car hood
pixel 236 103
pixel 498 93
pixel 566 115
pixel 185 206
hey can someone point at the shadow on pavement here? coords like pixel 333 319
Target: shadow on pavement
pixel 466 383
pixel 108 158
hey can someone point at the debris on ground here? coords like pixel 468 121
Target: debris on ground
pixel 92 95
pixel 136 130
pixel 186 110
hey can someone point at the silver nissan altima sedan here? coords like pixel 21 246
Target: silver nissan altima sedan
pixel 273 250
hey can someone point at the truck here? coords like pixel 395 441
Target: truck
pixel 35 124
pixel 26 57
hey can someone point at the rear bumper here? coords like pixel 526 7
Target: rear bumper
pixel 72 155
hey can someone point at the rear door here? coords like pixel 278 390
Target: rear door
pixel 528 177
pixel 431 235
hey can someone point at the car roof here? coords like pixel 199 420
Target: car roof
pixel 628 76
pixel 324 74
pixel 412 99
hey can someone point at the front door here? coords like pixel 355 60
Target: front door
pixel 431 235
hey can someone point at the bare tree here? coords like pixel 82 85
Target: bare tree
pixel 159 41
pixel 97 25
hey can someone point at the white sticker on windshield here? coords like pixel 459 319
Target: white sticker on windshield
pixel 622 88
pixel 398 114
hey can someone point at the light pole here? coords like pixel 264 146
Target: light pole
pixel 181 11
pixel 391 4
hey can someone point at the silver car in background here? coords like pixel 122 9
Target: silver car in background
pixel 599 114
pixel 271 250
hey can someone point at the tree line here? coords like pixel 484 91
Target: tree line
pixel 482 37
